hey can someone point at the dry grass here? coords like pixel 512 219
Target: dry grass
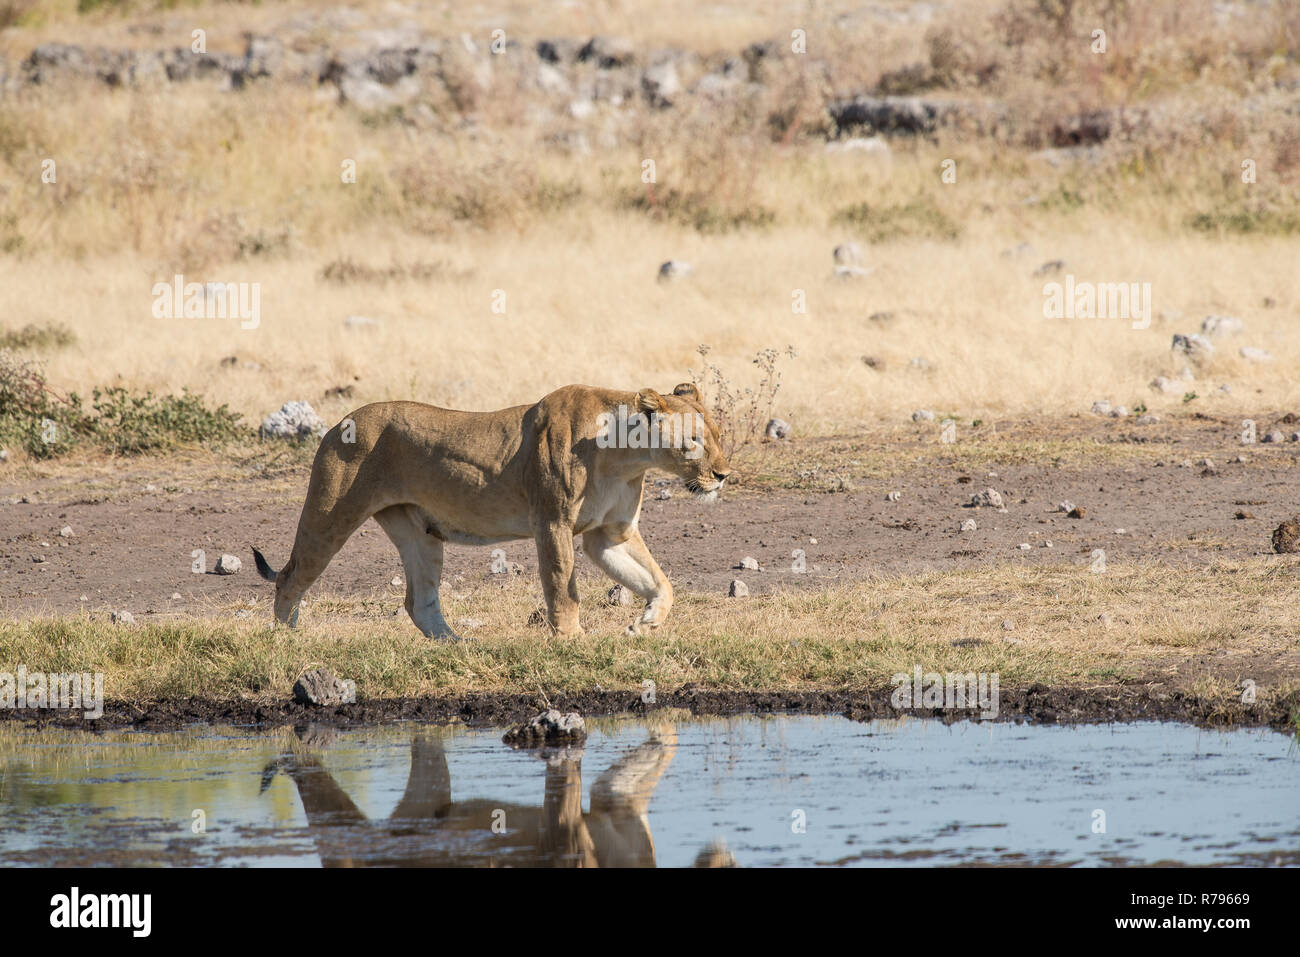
pixel 1236 624
pixel 246 187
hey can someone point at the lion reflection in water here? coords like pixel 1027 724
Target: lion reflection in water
pixel 429 829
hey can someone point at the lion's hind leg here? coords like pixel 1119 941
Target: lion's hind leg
pixel 422 552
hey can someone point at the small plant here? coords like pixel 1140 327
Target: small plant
pixel 1188 397
pixel 741 413
pixel 919 218
pixel 31 336
pixel 44 424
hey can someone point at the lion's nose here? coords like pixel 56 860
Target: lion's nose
pixel 721 476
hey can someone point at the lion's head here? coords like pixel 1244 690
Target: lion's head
pixel 688 443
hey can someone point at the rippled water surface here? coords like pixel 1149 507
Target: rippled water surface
pixel 783 790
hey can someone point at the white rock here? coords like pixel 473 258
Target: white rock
pixel 969 525
pixel 1194 346
pixel 848 254
pixel 893 496
pixel 1274 436
pixel 122 618
pixel 228 565
pixel 294 420
pixel 1162 384
pixel 777 429
pixel 1101 407
pixel 853 272
pixel 1148 419
pixel 1251 354
pixel 870 145
pixel 989 498
pixel 1119 412
pixel 748 563
pixel 675 269
pixel 1217 326
pixel 1024 546
pixel 738 589
pixel 66 531
pixel 922 415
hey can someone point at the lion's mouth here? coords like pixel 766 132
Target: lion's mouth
pixel 698 489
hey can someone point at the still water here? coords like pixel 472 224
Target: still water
pixel 756 791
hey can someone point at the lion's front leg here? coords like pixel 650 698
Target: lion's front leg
pixel 621 553
pixel 559 583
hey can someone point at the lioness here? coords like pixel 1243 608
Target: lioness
pixel 573 464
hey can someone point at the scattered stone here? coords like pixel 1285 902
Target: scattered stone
pixel 1162 384
pixel 675 269
pixel 1148 418
pixel 1105 619
pixel 893 496
pixel 1119 412
pixel 1066 506
pixel 1101 407
pixel 665 494
pixel 848 254
pixel 1274 436
pixel 1194 346
pixel 1024 546
pixel 852 272
pixel 922 415
pixel 176 596
pixel 1239 460
pixel 747 563
pixel 1226 389
pixel 66 531
pixel 1286 537
pixel 1008 624
pixel 321 688
pixel 396 581
pixel 122 618
pixel 619 596
pixel 1050 268
pixel 1251 354
pixel 1207 464
pixel 228 565
pixel 969 525
pixel 874 362
pixel 1079 511
pixel 989 498
pixel 738 589
pixel 1243 516
pixel 294 420
pixel 548 728
pixel 1218 326
pixel 777 429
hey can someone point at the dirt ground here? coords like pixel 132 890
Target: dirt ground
pixel 136 523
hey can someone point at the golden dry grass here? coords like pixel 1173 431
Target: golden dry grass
pixel 1235 625
pixel 246 187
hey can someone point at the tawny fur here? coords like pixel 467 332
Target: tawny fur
pixel 430 476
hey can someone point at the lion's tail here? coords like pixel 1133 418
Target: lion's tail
pixel 263 569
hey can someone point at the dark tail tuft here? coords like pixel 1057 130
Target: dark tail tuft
pixel 263 569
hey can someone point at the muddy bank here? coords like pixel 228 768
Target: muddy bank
pixel 1036 704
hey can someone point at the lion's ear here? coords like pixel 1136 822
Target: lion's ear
pixel 687 390
pixel 648 401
